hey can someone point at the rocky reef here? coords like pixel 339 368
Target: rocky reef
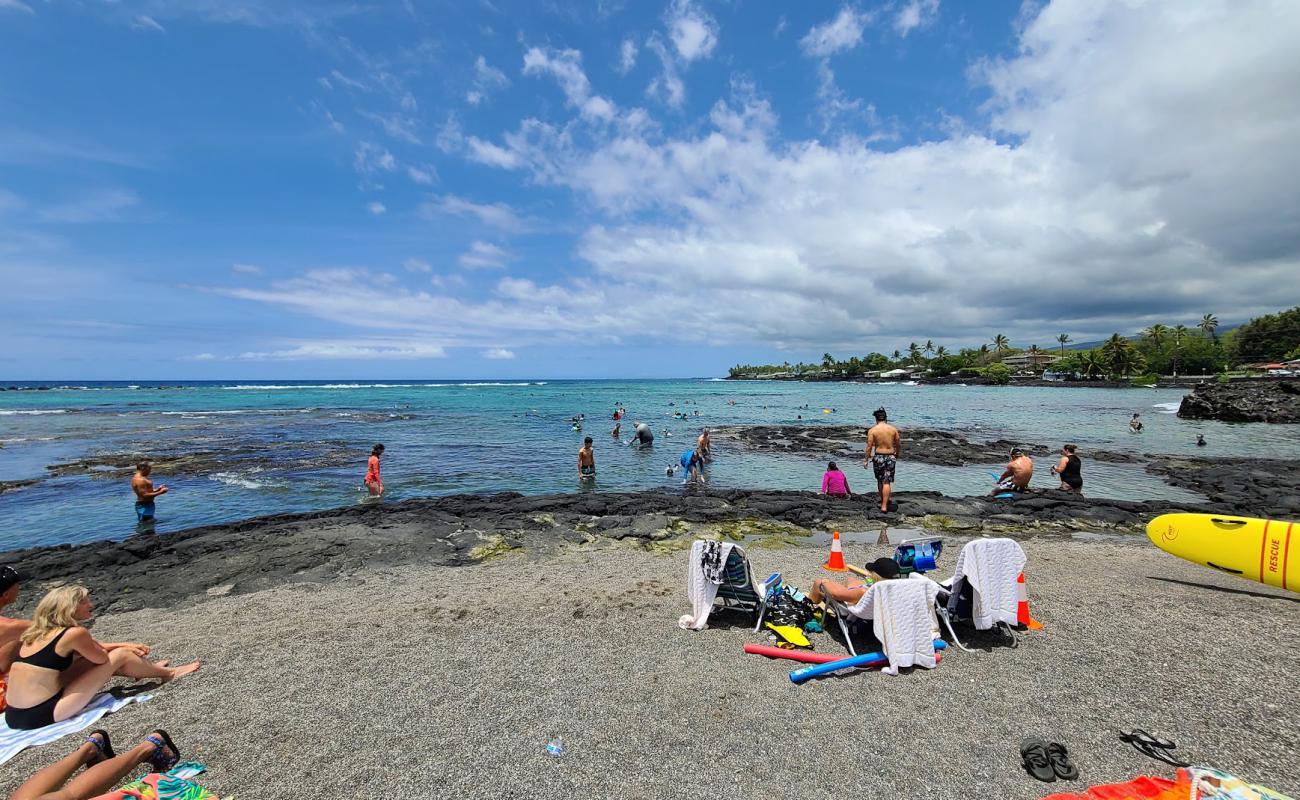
pixel 1244 401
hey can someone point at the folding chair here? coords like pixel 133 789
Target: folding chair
pixel 740 591
pixel 983 588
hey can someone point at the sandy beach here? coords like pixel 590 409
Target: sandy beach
pixel 408 677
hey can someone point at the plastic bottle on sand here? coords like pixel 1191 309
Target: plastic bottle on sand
pixel 555 748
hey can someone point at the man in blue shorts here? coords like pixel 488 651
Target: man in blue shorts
pixel 145 492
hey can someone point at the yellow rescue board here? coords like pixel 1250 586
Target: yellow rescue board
pixel 1264 550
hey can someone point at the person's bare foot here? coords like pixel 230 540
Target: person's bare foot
pixel 183 670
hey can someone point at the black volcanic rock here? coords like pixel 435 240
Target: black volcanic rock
pixel 1244 401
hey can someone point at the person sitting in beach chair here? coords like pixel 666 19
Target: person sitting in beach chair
pixel 902 616
pixel 104 768
pixel 879 570
pixel 56 667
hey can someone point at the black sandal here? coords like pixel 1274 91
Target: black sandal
pixel 103 745
pixel 1152 746
pixel 159 760
pixel 1033 757
pixel 1061 764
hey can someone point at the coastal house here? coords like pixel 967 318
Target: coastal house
pixel 895 373
pixel 1033 362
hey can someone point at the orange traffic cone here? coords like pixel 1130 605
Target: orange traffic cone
pixel 836 561
pixel 1022 608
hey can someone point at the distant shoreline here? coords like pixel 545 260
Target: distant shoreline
pixel 976 381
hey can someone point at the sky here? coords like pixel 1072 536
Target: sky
pixel 219 189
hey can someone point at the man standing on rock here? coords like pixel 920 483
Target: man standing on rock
pixel 144 492
pixel 884 445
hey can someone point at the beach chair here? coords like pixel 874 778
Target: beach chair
pixel 908 609
pixel 740 591
pixel 983 588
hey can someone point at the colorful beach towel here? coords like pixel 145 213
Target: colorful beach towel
pixel 13 742
pixel 159 787
pixel 1195 783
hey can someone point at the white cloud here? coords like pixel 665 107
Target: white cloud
pixel 566 67
pixel 626 56
pixel 98 205
pixel 246 269
pixel 423 175
pixel 417 265
pixel 351 83
pixel 498 354
pixel 375 207
pixel 844 32
pixel 495 215
pixel 15 5
pixel 693 32
pixel 486 80
pixel 146 23
pixel 491 154
pixel 398 126
pixel 343 350
pixel 668 86
pixel 915 14
pixel 369 159
pixel 485 255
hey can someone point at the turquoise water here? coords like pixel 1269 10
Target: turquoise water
pixel 300 446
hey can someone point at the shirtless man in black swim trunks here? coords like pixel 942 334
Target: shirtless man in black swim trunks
pixel 587 461
pixel 884 444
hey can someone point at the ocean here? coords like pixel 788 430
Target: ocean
pixel 265 447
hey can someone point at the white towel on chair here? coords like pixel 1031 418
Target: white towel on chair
pixel 700 591
pixel 12 742
pixel 902 619
pixel 991 566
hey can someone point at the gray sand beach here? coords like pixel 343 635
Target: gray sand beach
pixel 424 680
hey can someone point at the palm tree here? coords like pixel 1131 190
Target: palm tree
pixel 914 353
pixel 828 360
pixel 1063 340
pixel 1156 333
pixel 1091 363
pixel 897 355
pixel 929 346
pixel 1209 323
pixel 1001 344
pixel 942 352
pixel 1120 355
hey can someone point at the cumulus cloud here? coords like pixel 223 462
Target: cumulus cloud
pixel 498 354
pixel 915 14
pixel 344 350
pixel 424 175
pixel 485 255
pixel 375 207
pixel 566 67
pixel 668 86
pixel 417 265
pixel 844 32
pixel 693 32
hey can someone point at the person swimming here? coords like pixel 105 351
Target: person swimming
pixel 1135 424
pixel 1200 440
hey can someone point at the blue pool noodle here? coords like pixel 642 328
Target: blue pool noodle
pixel 865 660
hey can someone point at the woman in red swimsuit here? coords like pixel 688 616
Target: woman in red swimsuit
pixel 373 482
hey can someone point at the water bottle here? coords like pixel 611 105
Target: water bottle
pixel 555 748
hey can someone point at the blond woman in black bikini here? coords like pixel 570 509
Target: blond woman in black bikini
pixel 56 668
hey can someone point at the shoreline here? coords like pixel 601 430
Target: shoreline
pixel 266 552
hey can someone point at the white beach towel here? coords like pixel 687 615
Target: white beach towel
pixel 700 590
pixel 903 620
pixel 991 566
pixel 13 742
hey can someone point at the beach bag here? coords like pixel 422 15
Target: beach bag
pixel 788 606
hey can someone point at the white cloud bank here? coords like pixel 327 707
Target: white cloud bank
pixel 1109 189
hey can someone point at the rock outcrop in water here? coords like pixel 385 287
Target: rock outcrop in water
pixel 1244 401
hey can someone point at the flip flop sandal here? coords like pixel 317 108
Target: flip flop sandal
pixel 160 760
pixel 103 745
pixel 1033 756
pixel 1060 760
pixel 1152 747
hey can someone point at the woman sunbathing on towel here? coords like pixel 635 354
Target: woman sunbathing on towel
pixel 881 569
pixel 57 667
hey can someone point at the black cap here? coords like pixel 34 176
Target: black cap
pixel 9 576
pixel 884 567
pixel 879 413
pixel 1016 451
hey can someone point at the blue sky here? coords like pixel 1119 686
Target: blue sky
pixel 275 189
